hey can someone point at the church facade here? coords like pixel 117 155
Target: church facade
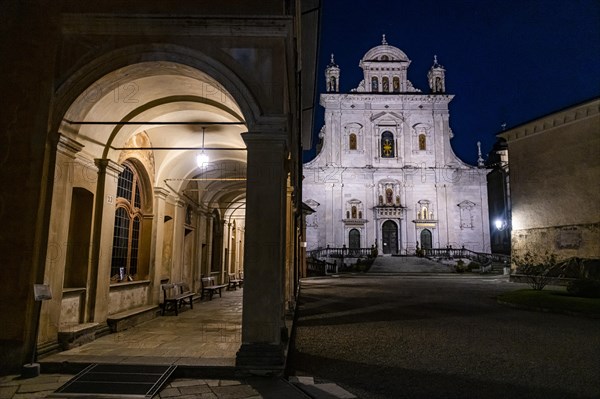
pixel 385 174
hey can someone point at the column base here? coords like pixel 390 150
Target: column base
pixel 261 359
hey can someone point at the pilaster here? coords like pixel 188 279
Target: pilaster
pixel 158 236
pixel 102 236
pixel 58 236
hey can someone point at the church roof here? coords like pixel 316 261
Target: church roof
pixel 385 52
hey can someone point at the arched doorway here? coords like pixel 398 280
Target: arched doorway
pixel 389 235
pixel 354 239
pixel 426 241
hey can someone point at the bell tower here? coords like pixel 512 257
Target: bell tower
pixel 437 77
pixel 332 76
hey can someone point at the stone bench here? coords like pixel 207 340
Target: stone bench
pixel 73 335
pixel 129 318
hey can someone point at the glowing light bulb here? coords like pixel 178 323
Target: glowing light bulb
pixel 201 160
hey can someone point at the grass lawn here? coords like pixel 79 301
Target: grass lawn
pixel 558 301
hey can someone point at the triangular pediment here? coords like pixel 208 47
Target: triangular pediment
pixel 388 116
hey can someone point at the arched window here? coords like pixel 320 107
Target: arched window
pixel 354 239
pixel 396 84
pixel 374 84
pixel 352 141
pixel 127 230
pixel 332 83
pixel 385 83
pixel 422 142
pixel 387 145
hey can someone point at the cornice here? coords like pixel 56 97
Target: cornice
pixel 189 25
pixel 555 120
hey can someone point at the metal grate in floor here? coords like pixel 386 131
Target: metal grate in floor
pixel 116 381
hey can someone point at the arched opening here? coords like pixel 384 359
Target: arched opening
pixel 389 234
pixel 374 83
pixel 354 239
pixel 426 239
pixel 141 211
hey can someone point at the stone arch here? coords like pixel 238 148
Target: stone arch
pixel 100 65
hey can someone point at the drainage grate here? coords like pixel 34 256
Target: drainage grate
pixel 116 381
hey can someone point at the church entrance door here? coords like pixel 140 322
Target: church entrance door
pixel 426 239
pixel 389 235
pixel 354 239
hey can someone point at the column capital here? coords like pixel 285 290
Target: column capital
pixel 161 192
pixel 264 141
pixel 108 166
pixel 68 146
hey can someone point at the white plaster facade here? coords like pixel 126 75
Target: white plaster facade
pixel 386 174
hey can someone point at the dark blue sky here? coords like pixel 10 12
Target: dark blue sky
pixel 506 60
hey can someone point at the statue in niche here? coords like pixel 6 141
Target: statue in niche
pixel 385 83
pixel 353 212
pixel 397 200
pixel 381 200
pixel 389 195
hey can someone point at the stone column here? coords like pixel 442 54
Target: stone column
pixel 178 222
pixel 156 248
pixel 102 237
pixel 264 253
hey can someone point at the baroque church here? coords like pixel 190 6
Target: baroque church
pixel 385 174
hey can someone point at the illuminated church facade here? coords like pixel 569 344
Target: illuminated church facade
pixel 385 173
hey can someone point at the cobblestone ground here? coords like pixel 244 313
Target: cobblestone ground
pixel 440 336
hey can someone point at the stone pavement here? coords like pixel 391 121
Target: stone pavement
pixel 12 387
pixel 208 335
pixel 202 342
pixel 439 336
pixel 407 264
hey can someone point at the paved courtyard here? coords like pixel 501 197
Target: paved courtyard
pixel 208 335
pixel 440 336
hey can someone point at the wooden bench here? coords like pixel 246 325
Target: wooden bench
pixel 234 282
pixel 210 287
pixel 175 296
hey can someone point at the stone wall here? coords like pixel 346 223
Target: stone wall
pixel 582 241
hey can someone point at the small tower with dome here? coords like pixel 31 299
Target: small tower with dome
pixel 437 77
pixel 385 69
pixel 332 76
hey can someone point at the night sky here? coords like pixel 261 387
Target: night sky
pixel 506 60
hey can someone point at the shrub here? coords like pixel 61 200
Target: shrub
pixel 587 288
pixel 474 265
pixel 538 271
pixel 460 266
